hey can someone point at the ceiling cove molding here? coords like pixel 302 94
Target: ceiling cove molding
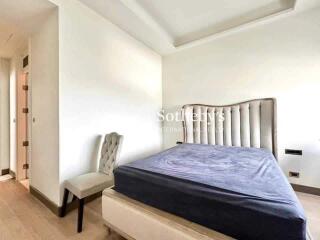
pixel 236 29
pixel 140 12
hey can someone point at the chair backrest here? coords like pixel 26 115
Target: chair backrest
pixel 109 152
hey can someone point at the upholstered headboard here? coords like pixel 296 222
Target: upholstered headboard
pixel 247 124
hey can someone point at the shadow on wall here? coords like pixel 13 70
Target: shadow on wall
pixel 95 152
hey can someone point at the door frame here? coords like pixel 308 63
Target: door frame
pixel 22 173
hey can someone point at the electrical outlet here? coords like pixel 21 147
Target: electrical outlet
pixel 294 174
pixel 293 152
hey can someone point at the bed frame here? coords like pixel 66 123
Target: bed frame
pixel 250 124
pixel 247 124
pixel 136 221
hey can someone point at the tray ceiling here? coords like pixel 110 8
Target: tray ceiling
pixel 188 20
pixel 170 25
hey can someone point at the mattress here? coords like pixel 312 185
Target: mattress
pixel 240 192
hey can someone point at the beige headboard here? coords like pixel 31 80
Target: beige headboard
pixel 247 124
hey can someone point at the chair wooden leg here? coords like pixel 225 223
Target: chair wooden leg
pixel 80 214
pixel 74 198
pixel 64 203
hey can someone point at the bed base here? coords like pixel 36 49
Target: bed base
pixel 136 221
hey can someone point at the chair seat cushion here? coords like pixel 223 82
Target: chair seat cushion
pixel 88 184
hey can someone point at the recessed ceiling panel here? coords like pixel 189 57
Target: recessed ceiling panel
pixel 189 20
pixel 171 25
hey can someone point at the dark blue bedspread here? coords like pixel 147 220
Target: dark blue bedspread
pixel 240 192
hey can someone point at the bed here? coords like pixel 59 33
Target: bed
pixel 224 178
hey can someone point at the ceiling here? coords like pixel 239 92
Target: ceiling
pixel 10 40
pixel 171 25
pixel 166 26
pixel 19 19
pixel 189 20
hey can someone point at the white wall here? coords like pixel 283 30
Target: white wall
pixel 4 114
pixel 44 75
pixel 14 68
pixel 281 59
pixel 108 82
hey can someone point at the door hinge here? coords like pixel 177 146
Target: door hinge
pixel 25 143
pixel 25 110
pixel 25 87
pixel 25 166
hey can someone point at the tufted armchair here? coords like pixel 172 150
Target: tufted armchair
pixel 91 183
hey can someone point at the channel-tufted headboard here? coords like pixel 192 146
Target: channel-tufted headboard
pixel 247 124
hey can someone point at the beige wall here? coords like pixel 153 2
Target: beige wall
pixel 4 114
pixel 44 75
pixel 280 59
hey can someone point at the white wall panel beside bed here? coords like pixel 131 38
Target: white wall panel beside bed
pixel 108 81
pixel 281 60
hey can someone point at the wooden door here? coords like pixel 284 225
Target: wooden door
pixel 22 126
